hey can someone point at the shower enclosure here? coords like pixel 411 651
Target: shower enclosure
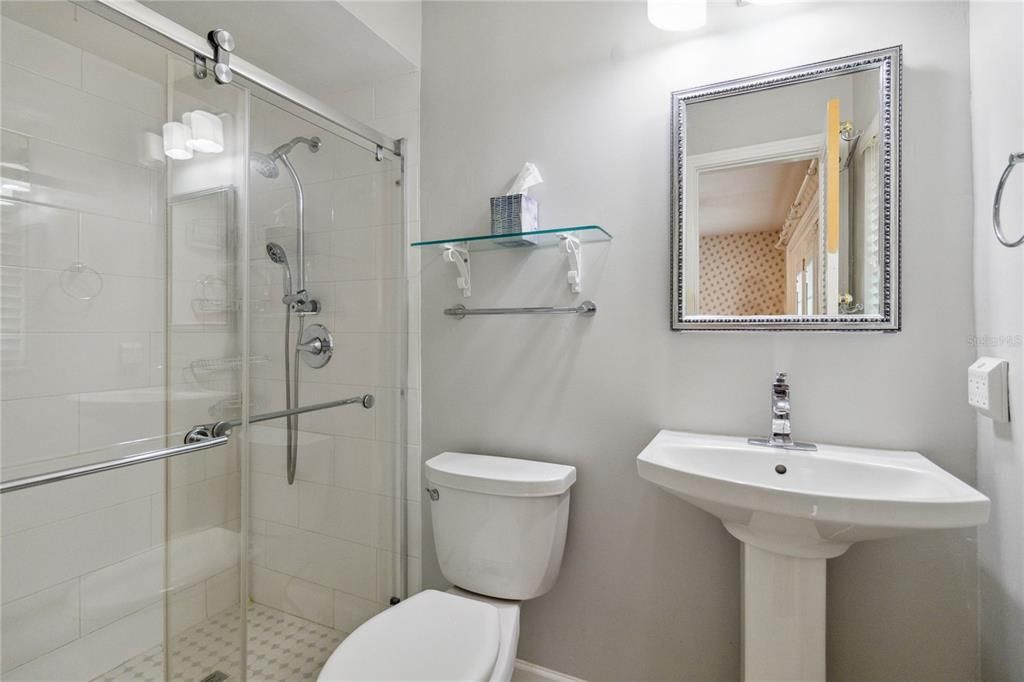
pixel 180 259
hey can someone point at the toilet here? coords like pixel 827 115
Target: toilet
pixel 499 530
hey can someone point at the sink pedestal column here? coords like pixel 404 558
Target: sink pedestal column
pixel 783 616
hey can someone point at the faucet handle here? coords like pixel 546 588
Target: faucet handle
pixel 780 377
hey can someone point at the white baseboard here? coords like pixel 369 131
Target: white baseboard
pixel 531 672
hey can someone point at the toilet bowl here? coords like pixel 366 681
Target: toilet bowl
pixel 432 636
pixel 499 530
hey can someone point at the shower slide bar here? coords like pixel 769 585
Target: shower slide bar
pixel 203 437
pixel 587 308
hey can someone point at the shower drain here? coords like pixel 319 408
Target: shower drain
pixel 215 676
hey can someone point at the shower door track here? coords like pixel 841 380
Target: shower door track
pixel 146 22
pixel 202 437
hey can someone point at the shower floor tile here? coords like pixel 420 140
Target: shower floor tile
pixel 281 647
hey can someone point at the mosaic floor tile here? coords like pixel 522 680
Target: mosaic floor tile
pixel 281 647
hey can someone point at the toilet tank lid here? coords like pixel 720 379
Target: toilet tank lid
pixel 499 475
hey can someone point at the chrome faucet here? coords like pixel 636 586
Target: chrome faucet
pixel 781 429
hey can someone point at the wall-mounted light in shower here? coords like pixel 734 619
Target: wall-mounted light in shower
pixel 677 15
pixel 199 131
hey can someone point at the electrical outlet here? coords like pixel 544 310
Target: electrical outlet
pixel 987 388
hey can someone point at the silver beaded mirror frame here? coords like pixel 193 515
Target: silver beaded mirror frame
pixel 888 63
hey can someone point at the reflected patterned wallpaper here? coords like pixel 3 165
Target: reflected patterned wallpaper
pixel 742 274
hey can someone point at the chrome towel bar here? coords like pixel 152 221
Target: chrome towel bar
pixel 109 465
pixel 587 308
pixel 997 204
pixel 223 428
pixel 201 437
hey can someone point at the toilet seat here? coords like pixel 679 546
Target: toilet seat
pixel 430 636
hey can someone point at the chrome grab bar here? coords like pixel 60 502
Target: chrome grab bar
pixel 587 308
pixel 109 465
pixel 997 204
pixel 201 437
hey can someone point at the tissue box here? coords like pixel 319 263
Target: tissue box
pixel 514 213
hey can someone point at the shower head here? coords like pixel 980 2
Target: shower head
pixel 278 255
pixel 264 165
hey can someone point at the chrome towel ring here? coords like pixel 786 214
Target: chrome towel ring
pixel 1014 160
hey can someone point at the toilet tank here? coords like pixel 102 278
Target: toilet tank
pixel 499 523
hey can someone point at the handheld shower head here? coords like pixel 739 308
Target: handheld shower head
pixel 278 255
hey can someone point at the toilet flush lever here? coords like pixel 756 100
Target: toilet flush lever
pixel 434 494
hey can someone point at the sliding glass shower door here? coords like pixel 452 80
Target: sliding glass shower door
pixel 159 275
pixel 121 328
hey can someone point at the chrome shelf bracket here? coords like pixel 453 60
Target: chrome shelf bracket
pixel 460 258
pixel 574 252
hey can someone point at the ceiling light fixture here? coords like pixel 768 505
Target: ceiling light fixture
pixel 677 15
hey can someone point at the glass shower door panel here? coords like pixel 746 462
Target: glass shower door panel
pixel 120 330
pixel 327 546
pixel 82 313
pixel 206 358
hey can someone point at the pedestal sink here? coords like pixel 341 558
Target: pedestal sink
pixel 793 511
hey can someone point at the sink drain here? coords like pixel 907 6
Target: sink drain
pixel 780 468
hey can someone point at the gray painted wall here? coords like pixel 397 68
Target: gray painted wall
pixel 650 585
pixel 997 103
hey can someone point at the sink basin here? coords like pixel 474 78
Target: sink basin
pixel 810 504
pixel 793 510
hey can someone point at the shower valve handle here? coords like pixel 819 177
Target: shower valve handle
pixel 316 346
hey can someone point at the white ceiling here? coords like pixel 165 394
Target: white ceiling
pixel 754 198
pixel 316 45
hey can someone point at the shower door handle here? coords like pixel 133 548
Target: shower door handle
pixel 197 443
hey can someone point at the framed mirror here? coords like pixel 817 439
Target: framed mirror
pixel 786 201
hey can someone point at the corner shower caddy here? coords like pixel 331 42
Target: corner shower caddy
pixel 456 250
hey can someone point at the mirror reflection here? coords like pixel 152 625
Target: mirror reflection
pixel 784 199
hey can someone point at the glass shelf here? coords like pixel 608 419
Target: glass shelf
pixel 545 237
